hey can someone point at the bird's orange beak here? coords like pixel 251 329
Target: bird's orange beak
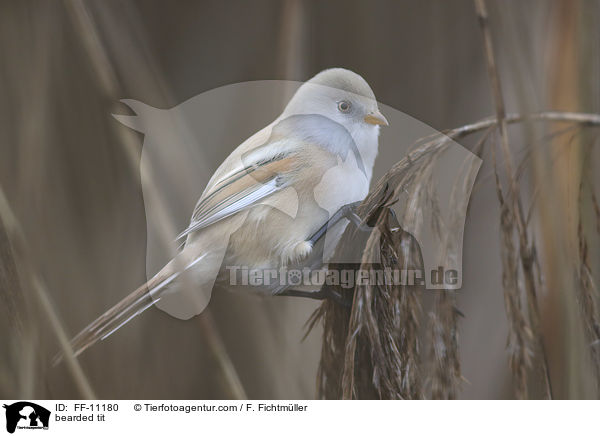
pixel 376 118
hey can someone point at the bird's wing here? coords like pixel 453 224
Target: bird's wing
pixel 259 176
pixel 249 175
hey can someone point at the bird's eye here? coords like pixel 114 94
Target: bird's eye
pixel 344 106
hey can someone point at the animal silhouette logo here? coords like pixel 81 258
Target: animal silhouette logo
pixel 26 415
pixel 180 142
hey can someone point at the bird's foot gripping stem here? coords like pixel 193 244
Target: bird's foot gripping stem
pixel 322 294
pixel 349 212
pixel 325 292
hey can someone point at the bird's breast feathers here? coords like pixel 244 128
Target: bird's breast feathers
pixel 292 185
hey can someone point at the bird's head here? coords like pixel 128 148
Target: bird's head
pixel 342 96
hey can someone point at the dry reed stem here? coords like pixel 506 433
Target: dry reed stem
pixel 18 240
pixel 514 203
pixel 292 47
pixel 15 370
pixel 587 291
pixel 374 342
pixel 445 375
pixel 381 349
pixel 342 346
pixel 108 80
pixel 558 206
pixel 213 338
pixel 11 298
pixel 520 336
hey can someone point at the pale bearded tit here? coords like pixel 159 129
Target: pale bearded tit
pixel 269 203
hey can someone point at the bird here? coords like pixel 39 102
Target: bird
pixel 269 203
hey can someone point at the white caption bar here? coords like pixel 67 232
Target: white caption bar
pixel 299 417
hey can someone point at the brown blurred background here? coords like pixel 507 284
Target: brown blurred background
pixel 65 165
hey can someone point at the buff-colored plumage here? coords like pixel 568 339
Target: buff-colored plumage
pixel 267 198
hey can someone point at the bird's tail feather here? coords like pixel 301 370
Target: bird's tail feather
pixel 120 314
pixel 125 310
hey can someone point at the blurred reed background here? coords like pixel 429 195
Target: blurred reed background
pixel 72 230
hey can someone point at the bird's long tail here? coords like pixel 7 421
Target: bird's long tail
pixel 113 319
pixel 123 312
